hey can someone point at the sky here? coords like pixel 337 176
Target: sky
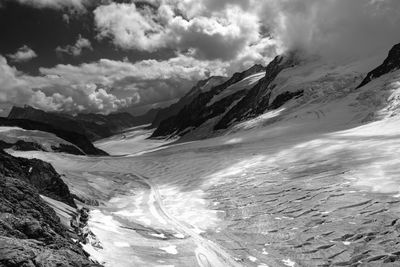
pixel 102 56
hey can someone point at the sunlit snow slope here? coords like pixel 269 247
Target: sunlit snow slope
pixel 313 183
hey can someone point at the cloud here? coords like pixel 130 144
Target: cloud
pixel 333 28
pixel 184 26
pixel 57 4
pixel 23 54
pixel 76 49
pixel 149 81
pixel 103 86
pixel 53 93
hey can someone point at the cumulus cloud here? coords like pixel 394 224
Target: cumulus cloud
pixel 53 93
pixel 23 54
pixel 148 81
pixel 76 49
pixel 104 86
pixel 209 37
pixel 185 26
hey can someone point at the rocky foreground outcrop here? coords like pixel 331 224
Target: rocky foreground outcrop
pixel 31 234
pixel 37 173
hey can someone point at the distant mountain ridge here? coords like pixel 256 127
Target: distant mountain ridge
pixel 197 111
pixel 172 110
pixel 77 139
pixel 94 126
pixel 221 107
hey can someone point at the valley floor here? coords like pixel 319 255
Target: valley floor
pixel 290 194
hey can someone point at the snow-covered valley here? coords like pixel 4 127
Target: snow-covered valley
pixel 312 183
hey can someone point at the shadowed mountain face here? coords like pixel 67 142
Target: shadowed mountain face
pixel 174 109
pixel 391 63
pixel 77 139
pixel 201 109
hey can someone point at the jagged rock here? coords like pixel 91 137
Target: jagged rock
pixel 391 63
pixel 31 234
pixel 39 174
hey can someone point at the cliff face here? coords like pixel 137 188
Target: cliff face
pixel 31 234
pixel 37 173
pixel 391 63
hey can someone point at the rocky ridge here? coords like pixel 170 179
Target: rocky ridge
pixel 174 109
pixel 391 63
pixel 31 234
pixel 198 112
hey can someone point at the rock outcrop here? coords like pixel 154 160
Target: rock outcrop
pixel 39 174
pixel 391 63
pixel 31 234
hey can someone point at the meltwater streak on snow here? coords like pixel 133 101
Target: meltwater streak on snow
pixel 307 188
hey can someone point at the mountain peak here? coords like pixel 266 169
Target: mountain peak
pixel 391 63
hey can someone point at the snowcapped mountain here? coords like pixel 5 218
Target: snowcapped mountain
pixel 210 104
pixel 293 85
pixel 201 87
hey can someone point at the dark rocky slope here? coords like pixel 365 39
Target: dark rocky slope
pixel 93 126
pixel 172 110
pixel 391 63
pixel 257 99
pixel 37 173
pixel 22 145
pixel 77 139
pixel 31 234
pixel 198 112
